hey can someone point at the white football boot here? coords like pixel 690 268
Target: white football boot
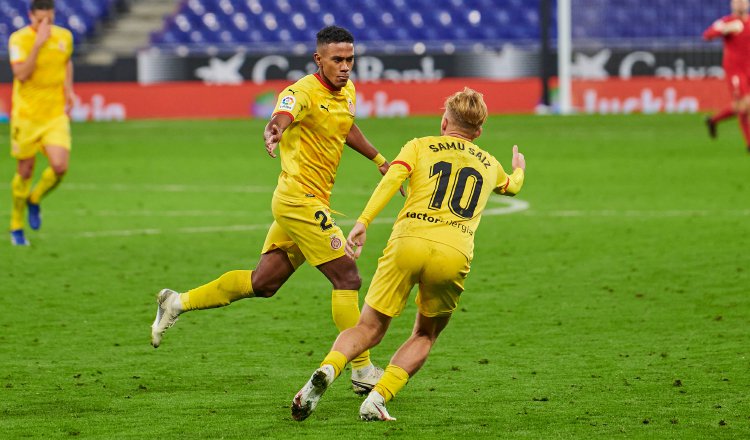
pixel 307 398
pixel 166 315
pixel 364 379
pixel 373 409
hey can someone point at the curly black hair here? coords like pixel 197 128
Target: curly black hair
pixel 334 34
pixel 43 5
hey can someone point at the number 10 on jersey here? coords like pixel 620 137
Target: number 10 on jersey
pixel 444 172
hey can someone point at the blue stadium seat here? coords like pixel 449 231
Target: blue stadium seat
pixel 81 17
pixel 495 22
pixel 232 23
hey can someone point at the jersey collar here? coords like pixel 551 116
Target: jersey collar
pixel 325 84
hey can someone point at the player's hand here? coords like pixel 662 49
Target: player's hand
pixel 272 136
pixel 42 32
pixel 384 169
pixel 518 160
pixel 356 240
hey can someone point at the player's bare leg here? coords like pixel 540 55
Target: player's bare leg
pixel 404 364
pixel 413 353
pixel 273 270
pixel 368 333
pixel 25 167
pixel 59 158
pixel 343 274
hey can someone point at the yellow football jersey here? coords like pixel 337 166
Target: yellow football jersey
pixel 312 145
pixel 450 182
pixel 42 95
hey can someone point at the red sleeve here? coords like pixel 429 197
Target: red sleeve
pixel 281 112
pixel 710 33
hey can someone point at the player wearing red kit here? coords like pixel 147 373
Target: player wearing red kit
pixel 735 30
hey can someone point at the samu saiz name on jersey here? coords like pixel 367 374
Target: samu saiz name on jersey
pixel 459 146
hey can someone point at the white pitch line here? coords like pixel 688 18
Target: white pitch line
pixel 180 188
pixel 121 233
pixel 161 213
pixel 640 213
pixel 169 188
pixel 511 206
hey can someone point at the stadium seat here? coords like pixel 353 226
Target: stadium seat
pixel 81 17
pixel 495 22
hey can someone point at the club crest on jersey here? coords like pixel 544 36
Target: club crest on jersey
pixel 287 103
pixel 335 242
pixel 351 106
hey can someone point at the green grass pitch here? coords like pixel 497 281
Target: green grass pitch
pixel 614 306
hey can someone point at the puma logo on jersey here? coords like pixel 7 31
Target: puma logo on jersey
pixel 325 108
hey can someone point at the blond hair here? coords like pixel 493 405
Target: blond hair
pixel 467 109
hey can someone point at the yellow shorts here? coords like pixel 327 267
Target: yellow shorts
pixel 27 138
pixel 438 269
pixel 305 229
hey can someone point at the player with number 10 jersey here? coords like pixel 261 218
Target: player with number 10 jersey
pixel 450 180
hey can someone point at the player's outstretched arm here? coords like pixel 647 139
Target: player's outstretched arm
pixel 512 184
pixel 357 141
pixel 716 30
pixel 273 131
pixel 389 184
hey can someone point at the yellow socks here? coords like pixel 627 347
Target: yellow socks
pixel 345 308
pixel 20 188
pixel 47 183
pixel 227 288
pixel 394 378
pixel 20 192
pixel 337 360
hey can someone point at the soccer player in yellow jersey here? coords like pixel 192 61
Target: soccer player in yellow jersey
pixel 432 243
pixel 42 88
pixel 314 118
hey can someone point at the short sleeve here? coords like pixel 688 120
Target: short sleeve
pixel 18 53
pixel 292 102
